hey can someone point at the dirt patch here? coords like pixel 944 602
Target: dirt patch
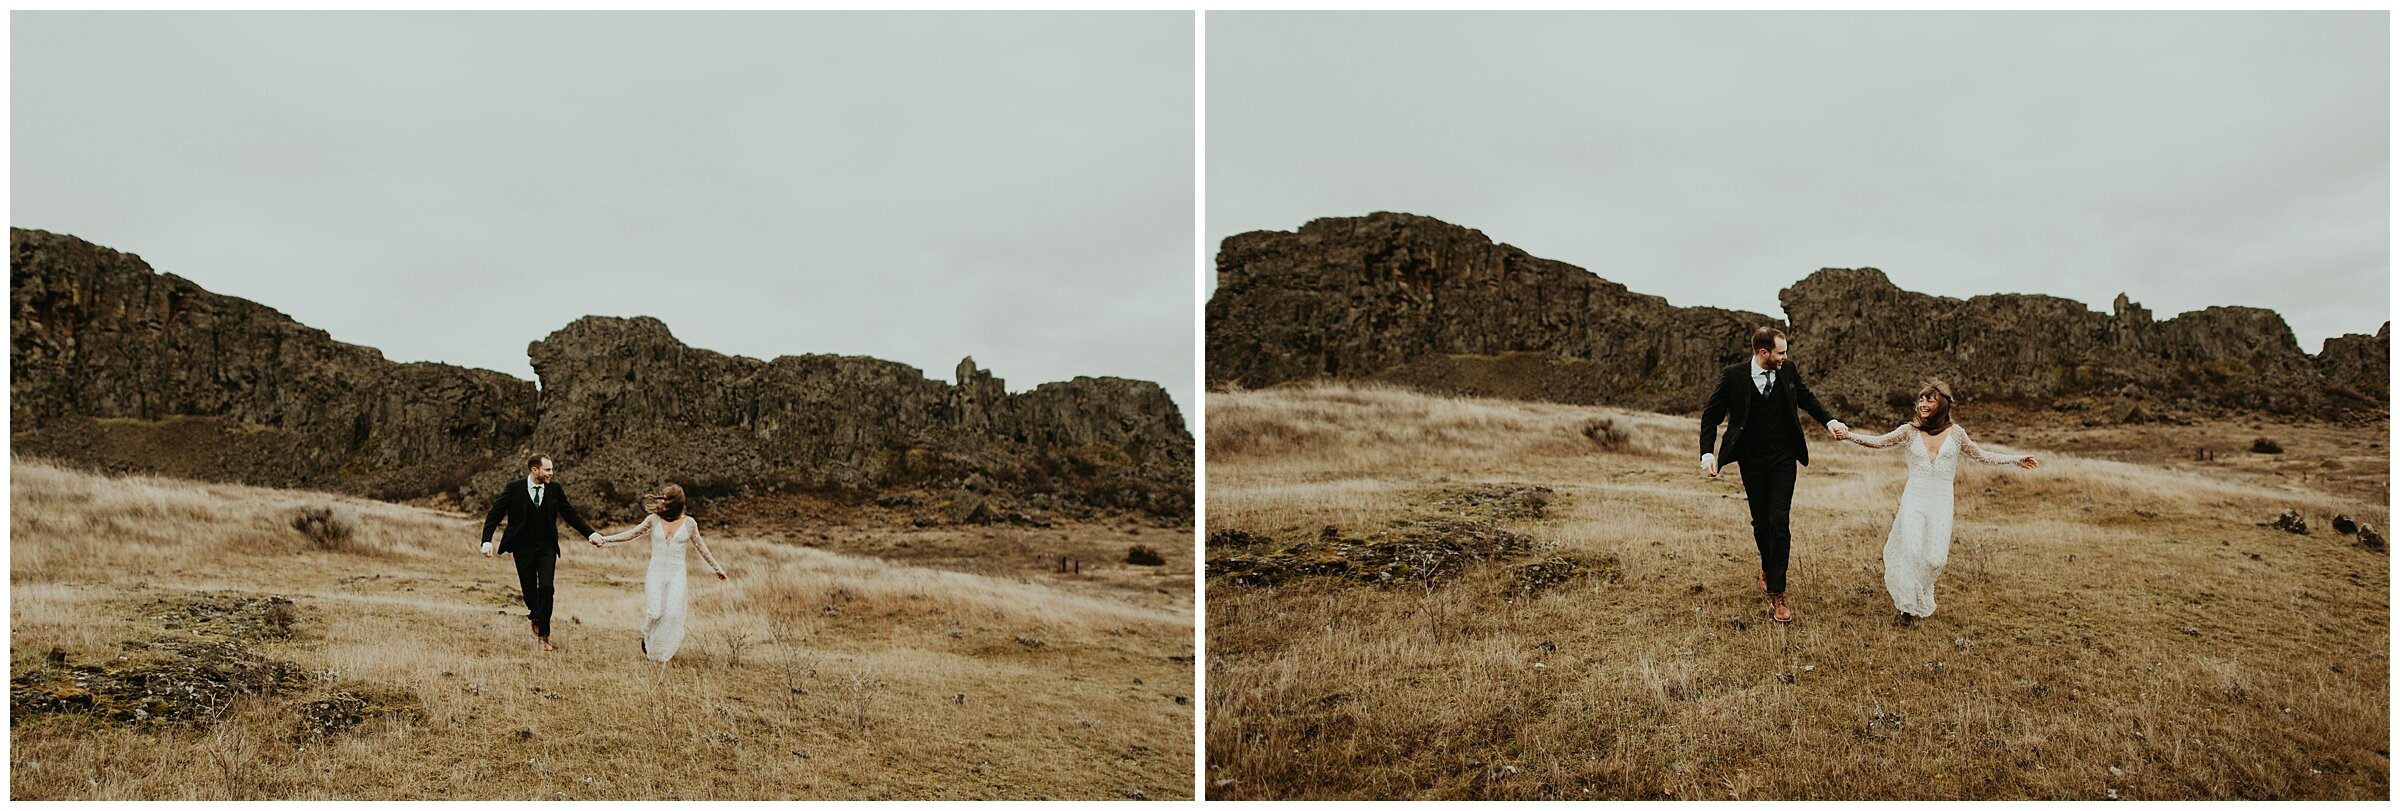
pixel 241 618
pixel 1464 529
pixel 1498 502
pixel 1533 577
pixel 350 705
pixel 203 664
pixel 187 682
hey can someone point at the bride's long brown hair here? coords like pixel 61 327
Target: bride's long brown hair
pixel 1939 420
pixel 667 503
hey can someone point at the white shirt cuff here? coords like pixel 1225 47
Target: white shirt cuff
pixel 1836 425
pixel 1707 459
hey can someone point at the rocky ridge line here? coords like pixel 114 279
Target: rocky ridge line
pixel 119 367
pixel 1435 306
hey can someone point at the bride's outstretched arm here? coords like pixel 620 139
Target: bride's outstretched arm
pixel 1885 441
pixel 1966 445
pixel 627 535
pixel 701 545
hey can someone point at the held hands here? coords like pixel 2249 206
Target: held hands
pixel 2028 463
pixel 720 575
pixel 1708 465
pixel 487 550
pixel 595 539
pixel 1839 430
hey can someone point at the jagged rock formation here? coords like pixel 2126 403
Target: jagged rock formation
pixel 1424 303
pixel 123 368
pixel 2362 364
pixel 632 407
pixel 116 365
pixel 1862 334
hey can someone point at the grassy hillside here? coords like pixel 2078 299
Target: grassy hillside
pixel 1453 598
pixel 178 640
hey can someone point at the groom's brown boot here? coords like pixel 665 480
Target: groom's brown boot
pixel 1783 608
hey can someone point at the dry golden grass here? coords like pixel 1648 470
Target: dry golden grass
pixel 2107 628
pixel 811 674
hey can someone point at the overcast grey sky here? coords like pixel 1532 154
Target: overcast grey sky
pixel 2189 159
pixel 453 186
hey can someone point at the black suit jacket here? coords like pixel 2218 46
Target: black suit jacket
pixel 531 528
pixel 1733 397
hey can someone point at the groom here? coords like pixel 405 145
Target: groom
pixel 1764 396
pixel 532 508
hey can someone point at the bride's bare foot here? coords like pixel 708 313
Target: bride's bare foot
pixel 546 648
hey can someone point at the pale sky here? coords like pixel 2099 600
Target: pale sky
pixel 453 186
pixel 2189 159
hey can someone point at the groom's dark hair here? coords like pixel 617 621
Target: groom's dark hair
pixel 1764 338
pixel 535 460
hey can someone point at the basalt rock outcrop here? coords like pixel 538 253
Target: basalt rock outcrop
pixel 632 406
pixel 119 367
pixel 1862 333
pixel 115 365
pixel 2361 364
pixel 1423 303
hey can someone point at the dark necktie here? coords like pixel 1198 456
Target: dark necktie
pixel 537 495
pixel 1770 389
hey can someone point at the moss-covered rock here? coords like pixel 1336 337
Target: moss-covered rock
pixel 350 705
pixel 176 681
pixel 227 615
pixel 1536 576
pixel 204 667
pixel 1464 529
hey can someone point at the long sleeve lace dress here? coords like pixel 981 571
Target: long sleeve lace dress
pixel 665 592
pixel 1919 544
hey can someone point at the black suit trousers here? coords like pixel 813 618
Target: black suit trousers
pixel 537 569
pixel 1768 484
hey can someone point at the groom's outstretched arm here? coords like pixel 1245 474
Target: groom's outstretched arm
pixel 1808 399
pixel 566 510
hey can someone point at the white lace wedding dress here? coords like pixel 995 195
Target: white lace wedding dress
pixel 665 594
pixel 1919 545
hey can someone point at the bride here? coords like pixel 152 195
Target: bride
pixel 1919 545
pixel 664 596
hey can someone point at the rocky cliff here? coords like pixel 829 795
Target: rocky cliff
pixel 633 407
pixel 113 364
pixel 1430 303
pixel 120 367
pixel 1424 303
pixel 1862 332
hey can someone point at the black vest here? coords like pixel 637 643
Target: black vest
pixel 1773 431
